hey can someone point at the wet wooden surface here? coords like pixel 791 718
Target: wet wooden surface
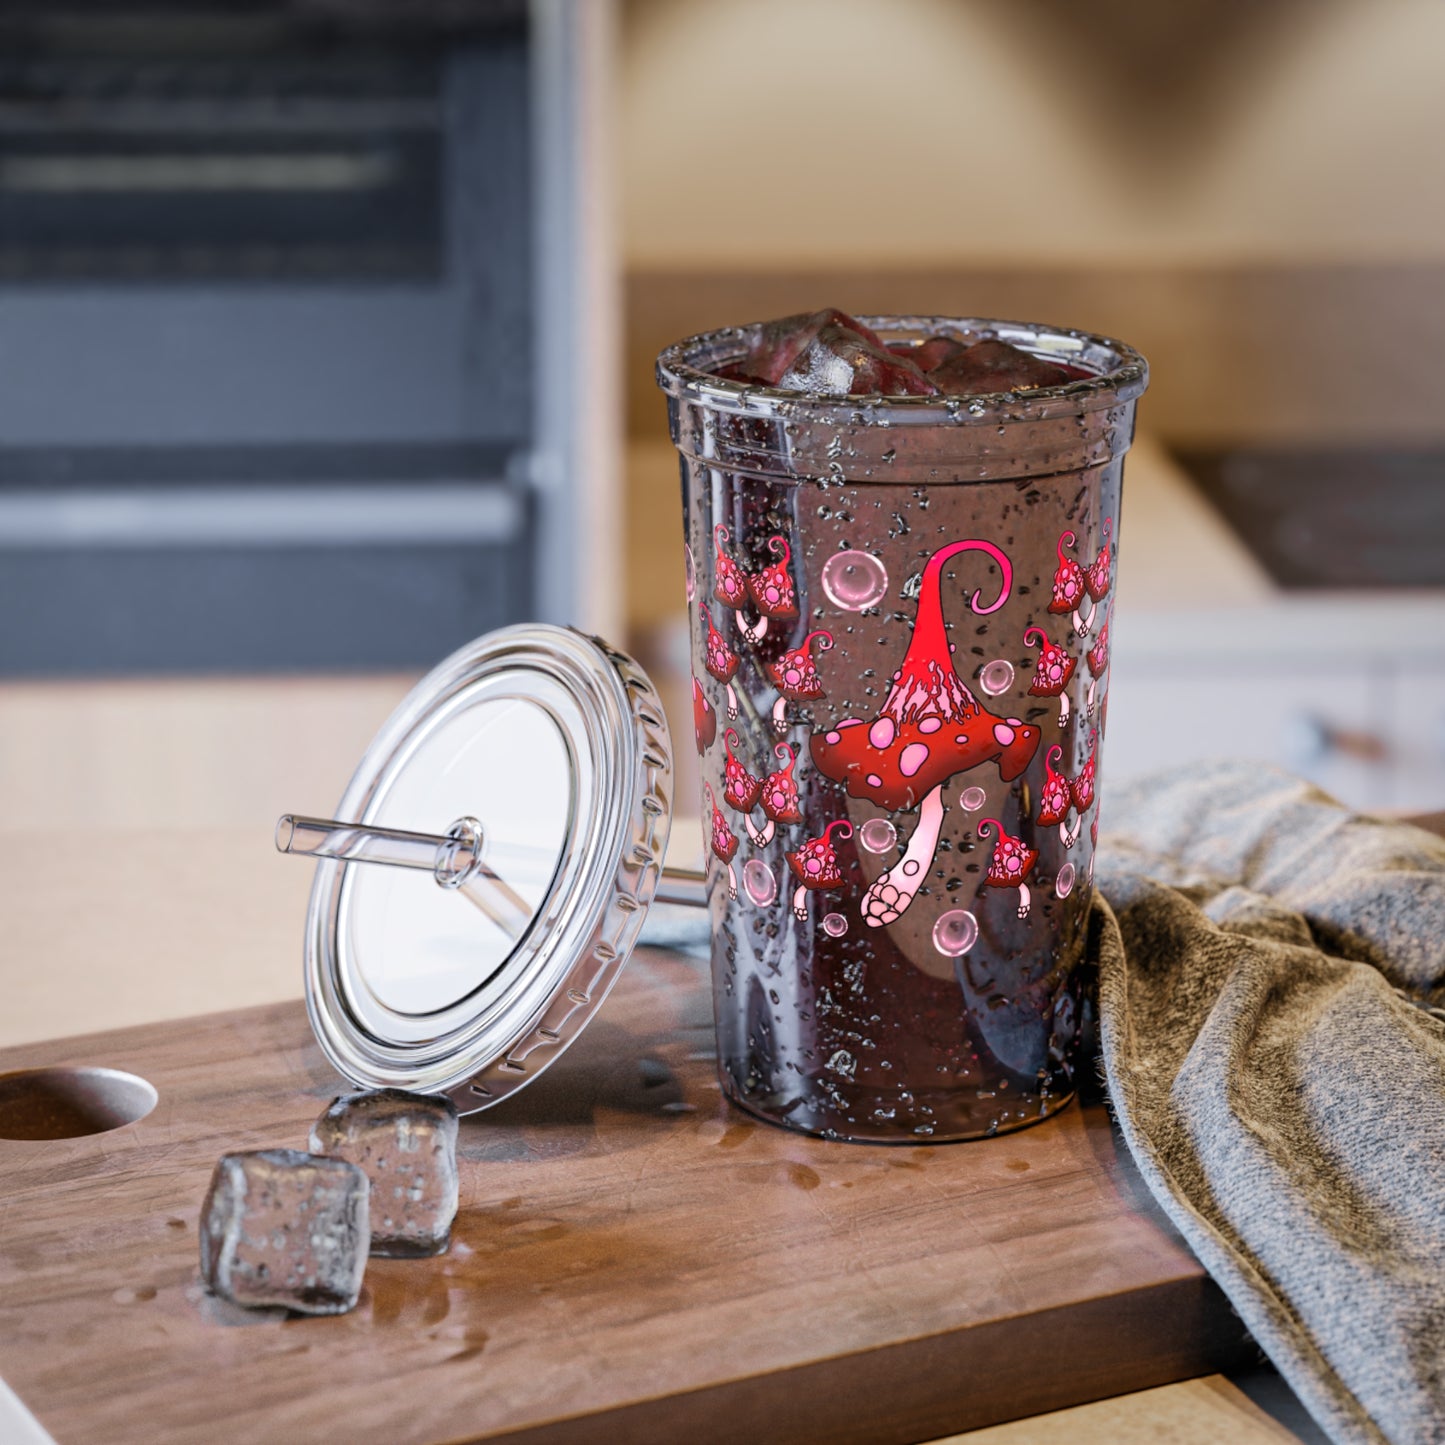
pixel 634 1260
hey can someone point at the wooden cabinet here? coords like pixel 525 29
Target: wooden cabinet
pixel 1348 692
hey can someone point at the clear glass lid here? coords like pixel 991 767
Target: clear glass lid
pixel 522 793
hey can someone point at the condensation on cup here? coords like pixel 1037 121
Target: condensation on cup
pixel 900 678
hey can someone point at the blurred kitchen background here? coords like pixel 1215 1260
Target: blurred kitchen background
pixel 327 328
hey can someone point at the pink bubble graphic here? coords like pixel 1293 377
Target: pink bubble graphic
pixel 997 676
pixel 1064 883
pixel 972 799
pixel 835 925
pixel 878 835
pixel 955 932
pixel 759 882
pixel 854 580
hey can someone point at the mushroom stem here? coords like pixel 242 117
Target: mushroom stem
pixel 1089 700
pixel 1064 708
pixel 1070 836
pixel 1024 900
pixel 889 897
pixel 760 836
pixel 752 633
pixel 780 714
pixel 732 700
pixel 1083 624
pixel 733 883
pixel 800 902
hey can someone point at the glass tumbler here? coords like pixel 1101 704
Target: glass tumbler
pixel 900 612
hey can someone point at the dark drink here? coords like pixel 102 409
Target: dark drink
pixel 902 593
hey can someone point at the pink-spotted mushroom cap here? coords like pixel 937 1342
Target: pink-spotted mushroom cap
pixel 795 673
pixel 1099 574
pixel 1055 667
pixel 1013 860
pixel 1055 797
pixel 730 584
pixel 1069 586
pixel 1099 652
pixel 931 726
pixel 772 589
pixel 740 787
pixel 704 719
pixel 721 838
pixel 815 864
pixel 780 792
pixel 719 659
pixel 1082 787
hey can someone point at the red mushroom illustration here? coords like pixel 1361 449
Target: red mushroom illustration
pixel 723 841
pixel 1054 672
pixel 1013 861
pixel 704 719
pixel 772 591
pixel 815 865
pixel 720 660
pixel 740 787
pixel 730 582
pixel 1082 787
pixel 1056 801
pixel 1070 588
pixel 795 675
pixel 930 729
pixel 1099 574
pixel 779 797
pixel 1099 658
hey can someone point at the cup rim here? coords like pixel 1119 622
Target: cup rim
pixel 1126 376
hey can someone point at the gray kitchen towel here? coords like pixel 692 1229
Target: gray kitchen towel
pixel 1267 966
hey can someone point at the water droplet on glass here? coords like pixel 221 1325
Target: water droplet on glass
pixel 854 580
pixel 1064 883
pixel 955 932
pixel 835 925
pixel 878 835
pixel 691 571
pixel 997 676
pixel 913 588
pixel 759 882
pixel 972 799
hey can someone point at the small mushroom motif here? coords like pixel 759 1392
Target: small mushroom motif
pixel 1013 861
pixel 1082 786
pixel 1056 801
pixel 1053 672
pixel 704 719
pixel 815 865
pixel 930 729
pixel 1070 587
pixel 772 590
pixel 740 787
pixel 795 675
pixel 780 791
pixel 1099 575
pixel 1099 659
pixel 722 840
pixel 730 582
pixel 720 660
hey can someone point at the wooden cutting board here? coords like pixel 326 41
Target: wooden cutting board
pixel 634 1260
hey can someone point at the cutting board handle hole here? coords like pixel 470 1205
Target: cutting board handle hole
pixel 67 1103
